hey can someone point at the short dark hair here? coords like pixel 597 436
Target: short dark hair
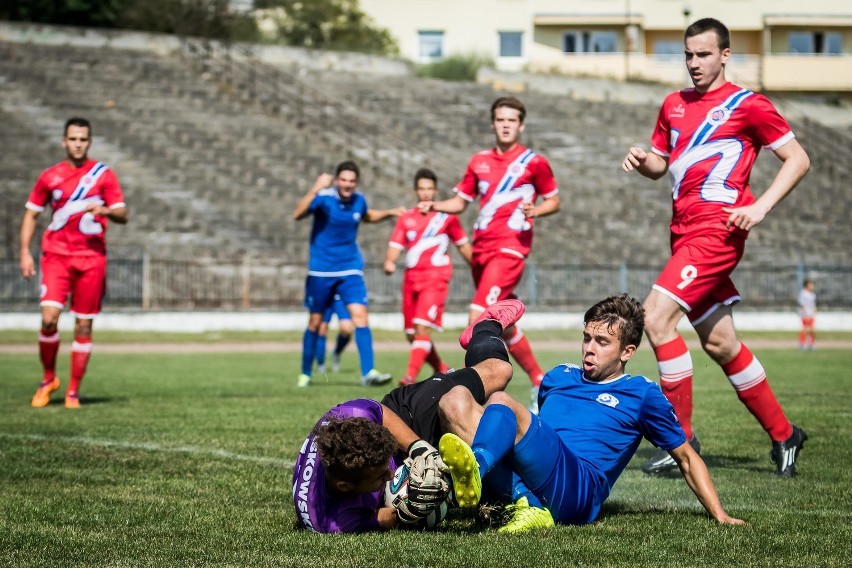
pixel 348 446
pixel 77 121
pixel 723 36
pixel 347 166
pixel 509 102
pixel 425 173
pixel 624 310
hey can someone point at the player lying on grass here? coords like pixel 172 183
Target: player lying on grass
pixel 352 452
pixel 561 465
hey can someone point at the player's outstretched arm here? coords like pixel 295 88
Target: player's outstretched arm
pixel 376 215
pixel 694 471
pixel 454 204
pixel 649 164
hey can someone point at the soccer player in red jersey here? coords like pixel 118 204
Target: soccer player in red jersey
pixel 707 139
pixel 508 180
pixel 83 195
pixel 428 270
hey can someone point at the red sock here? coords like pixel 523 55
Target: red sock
pixel 748 378
pixel 420 348
pixel 81 350
pixel 519 347
pixel 802 336
pixel 435 361
pixel 675 365
pixel 48 347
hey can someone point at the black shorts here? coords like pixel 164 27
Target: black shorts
pixel 417 404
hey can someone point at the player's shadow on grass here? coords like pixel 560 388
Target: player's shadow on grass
pixel 612 509
pixel 713 461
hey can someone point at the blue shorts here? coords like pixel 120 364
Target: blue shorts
pixel 320 291
pixel 569 487
pixel 338 308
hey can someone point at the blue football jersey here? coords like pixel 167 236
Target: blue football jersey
pixel 603 423
pixel 334 246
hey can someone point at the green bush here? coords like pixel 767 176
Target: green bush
pixel 455 67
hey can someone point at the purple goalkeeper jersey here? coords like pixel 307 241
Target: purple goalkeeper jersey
pixel 316 508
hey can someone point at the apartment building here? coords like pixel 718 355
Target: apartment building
pixel 780 45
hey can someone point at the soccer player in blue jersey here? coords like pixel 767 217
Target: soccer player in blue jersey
pixel 336 265
pixel 561 465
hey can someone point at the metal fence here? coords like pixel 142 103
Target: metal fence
pixel 158 284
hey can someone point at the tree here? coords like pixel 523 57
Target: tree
pixel 327 24
pixel 96 13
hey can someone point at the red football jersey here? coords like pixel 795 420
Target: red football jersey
pixel 503 182
pixel 69 191
pixel 426 239
pixel 711 142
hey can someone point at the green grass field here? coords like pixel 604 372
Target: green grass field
pixel 186 459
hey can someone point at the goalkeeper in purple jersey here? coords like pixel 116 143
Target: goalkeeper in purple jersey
pixel 352 452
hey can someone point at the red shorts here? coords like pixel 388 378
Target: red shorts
pixel 83 277
pixel 808 321
pixel 423 301
pixel 495 275
pixel 698 275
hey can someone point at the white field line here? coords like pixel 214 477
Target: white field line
pixel 151 447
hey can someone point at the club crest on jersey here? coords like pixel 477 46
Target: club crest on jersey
pixel 56 195
pixel 410 235
pixel 482 168
pixel 516 169
pixel 607 399
pixel 718 116
pixel 677 112
pixel 356 216
pixel 482 186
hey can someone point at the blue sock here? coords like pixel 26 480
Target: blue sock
pixel 364 341
pixel 309 345
pixel 342 342
pixel 495 436
pixel 320 350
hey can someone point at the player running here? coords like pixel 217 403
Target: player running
pixel 83 194
pixel 508 180
pixel 428 270
pixel 707 139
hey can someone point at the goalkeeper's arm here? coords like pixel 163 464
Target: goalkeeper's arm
pixel 404 435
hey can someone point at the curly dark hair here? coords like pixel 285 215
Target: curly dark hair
pixel 347 446
pixel 624 310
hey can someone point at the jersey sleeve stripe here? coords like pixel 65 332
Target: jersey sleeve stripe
pixel 464 196
pixel 781 141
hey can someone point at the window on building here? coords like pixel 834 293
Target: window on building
pixel 668 47
pixel 431 44
pixel 510 44
pixel 829 43
pixel 589 42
